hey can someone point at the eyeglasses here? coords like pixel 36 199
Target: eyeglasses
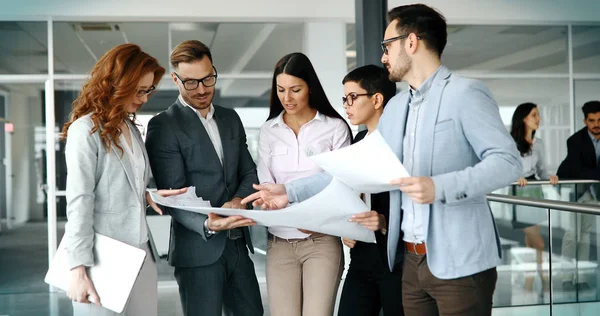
pixel 192 84
pixel 349 99
pixel 384 43
pixel 141 93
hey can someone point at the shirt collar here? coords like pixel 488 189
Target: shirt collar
pixel 211 110
pixel 279 119
pixel 424 88
pixel 594 140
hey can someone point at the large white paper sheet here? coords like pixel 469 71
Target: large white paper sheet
pixel 327 212
pixel 367 166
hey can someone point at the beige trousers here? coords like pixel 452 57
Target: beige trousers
pixel 303 275
pixel 144 295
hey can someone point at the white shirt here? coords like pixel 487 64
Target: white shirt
pixel 210 125
pixel 138 164
pixel 283 157
pixel 534 163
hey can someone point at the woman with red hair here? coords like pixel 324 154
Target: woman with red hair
pixel 108 173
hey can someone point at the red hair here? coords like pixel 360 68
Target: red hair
pixel 112 85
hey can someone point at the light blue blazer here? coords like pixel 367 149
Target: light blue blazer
pixel 468 153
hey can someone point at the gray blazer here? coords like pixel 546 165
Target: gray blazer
pixel 182 155
pixel 101 193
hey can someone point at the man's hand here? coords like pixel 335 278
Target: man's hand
pixel 268 197
pixel 350 243
pixel 554 180
pixel 163 193
pixel 236 203
pixel 420 189
pixel 219 223
pixel 370 220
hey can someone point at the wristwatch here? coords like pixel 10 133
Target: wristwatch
pixel 383 231
pixel 207 230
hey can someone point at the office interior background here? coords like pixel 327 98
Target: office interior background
pixel 541 51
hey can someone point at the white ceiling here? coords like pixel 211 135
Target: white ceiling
pixel 250 48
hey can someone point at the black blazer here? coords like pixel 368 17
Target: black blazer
pixel 181 155
pixel 581 158
pixel 374 256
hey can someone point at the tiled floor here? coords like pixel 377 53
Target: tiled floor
pixel 23 263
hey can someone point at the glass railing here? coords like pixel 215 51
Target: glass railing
pixel 550 245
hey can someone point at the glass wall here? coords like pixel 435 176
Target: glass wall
pixel 520 63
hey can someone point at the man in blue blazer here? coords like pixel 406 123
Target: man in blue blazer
pixel 448 133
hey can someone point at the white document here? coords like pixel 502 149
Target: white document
pixel 117 266
pixel 327 212
pixel 367 166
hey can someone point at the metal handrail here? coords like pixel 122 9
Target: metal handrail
pixel 534 182
pixel 547 204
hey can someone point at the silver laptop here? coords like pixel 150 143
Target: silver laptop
pixel 117 266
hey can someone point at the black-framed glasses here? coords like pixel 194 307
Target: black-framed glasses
pixel 192 84
pixel 351 97
pixel 384 43
pixel 141 93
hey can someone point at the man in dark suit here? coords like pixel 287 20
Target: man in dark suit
pixel 197 143
pixel 582 162
pixel 583 148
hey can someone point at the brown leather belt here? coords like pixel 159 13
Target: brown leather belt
pixel 419 249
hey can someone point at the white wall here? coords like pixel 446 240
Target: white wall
pixel 456 11
pixel 24 112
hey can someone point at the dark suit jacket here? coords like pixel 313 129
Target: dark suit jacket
pixel 374 256
pixel 581 158
pixel 181 155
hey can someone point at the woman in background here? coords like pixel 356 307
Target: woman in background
pixel 525 122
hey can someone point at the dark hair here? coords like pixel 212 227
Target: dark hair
pixel 517 130
pixel 590 107
pixel 373 79
pixel 299 66
pixel 189 51
pixel 425 21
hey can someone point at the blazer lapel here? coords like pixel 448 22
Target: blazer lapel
pixel 393 132
pixel 426 125
pixel 193 127
pixel 126 163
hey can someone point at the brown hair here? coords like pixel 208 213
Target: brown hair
pixel 189 51
pixel 113 82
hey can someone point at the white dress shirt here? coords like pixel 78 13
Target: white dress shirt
pixel 283 157
pixel 210 125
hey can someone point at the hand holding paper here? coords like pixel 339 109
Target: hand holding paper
pixel 368 166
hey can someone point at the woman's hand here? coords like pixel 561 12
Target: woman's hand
pixel 81 288
pixel 554 180
pixel 163 193
pixel 522 182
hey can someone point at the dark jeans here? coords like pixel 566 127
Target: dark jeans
pixel 367 289
pixel 425 295
pixel 228 285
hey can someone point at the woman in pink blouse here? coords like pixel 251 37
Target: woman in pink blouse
pixel 303 268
